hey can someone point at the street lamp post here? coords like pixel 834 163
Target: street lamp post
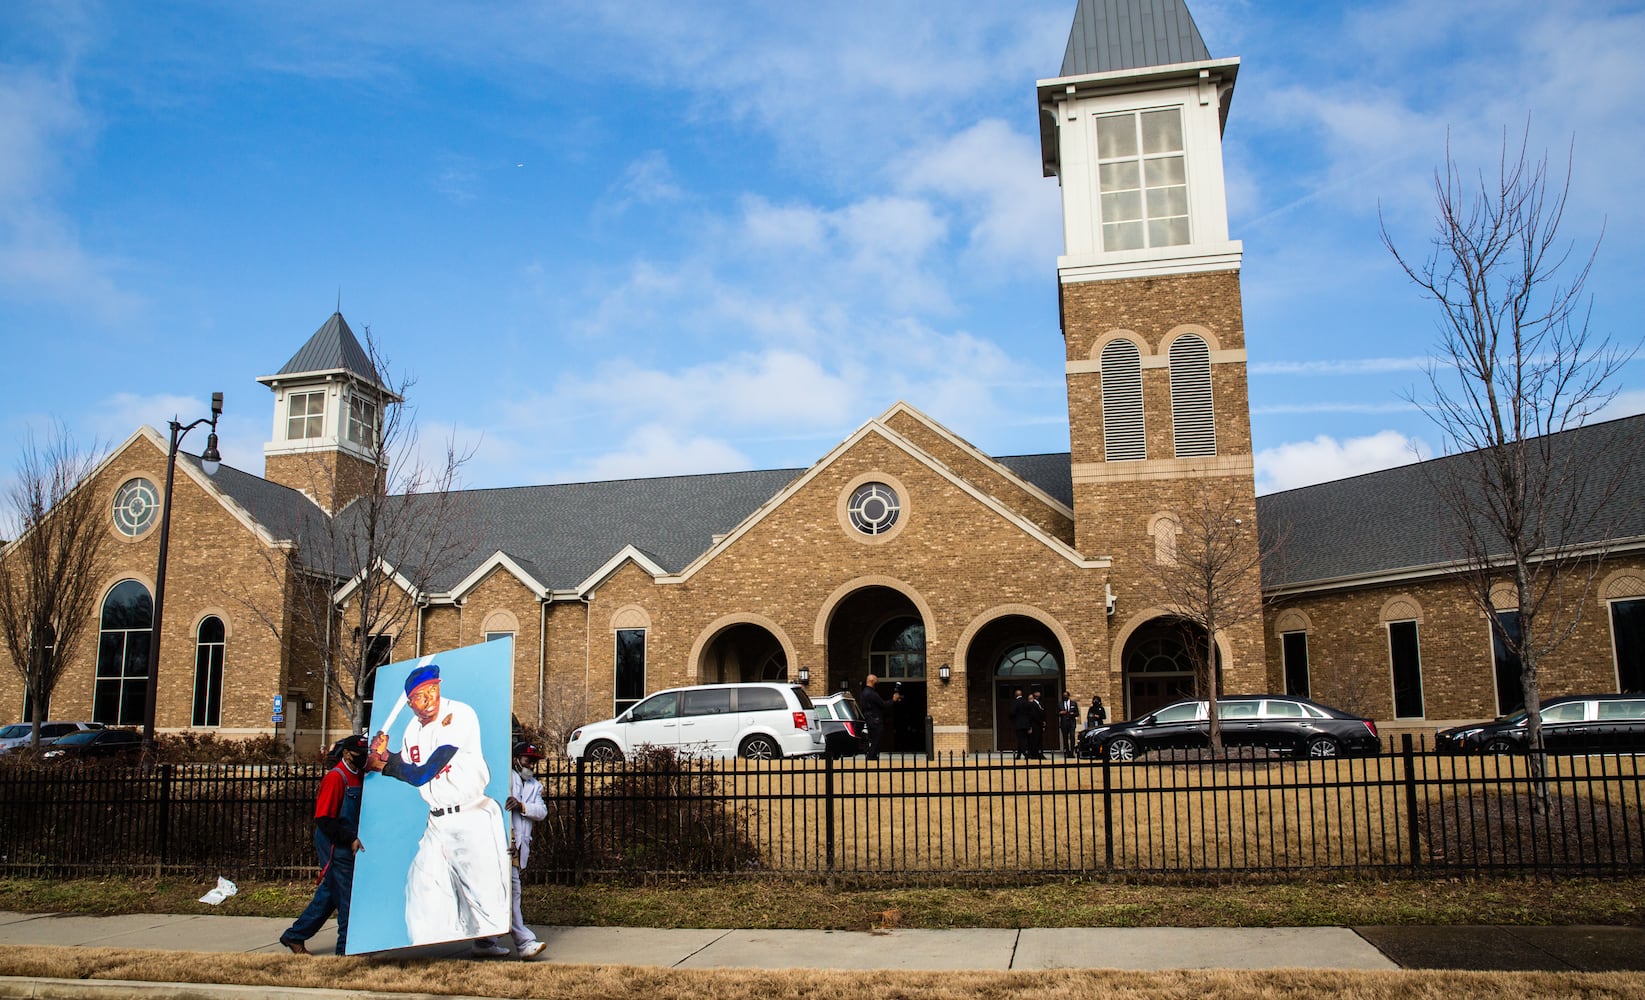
pixel 209 461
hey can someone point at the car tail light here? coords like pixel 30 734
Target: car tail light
pixel 1371 726
pixel 851 729
pixel 800 721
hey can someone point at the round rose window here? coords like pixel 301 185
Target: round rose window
pixel 874 508
pixel 135 507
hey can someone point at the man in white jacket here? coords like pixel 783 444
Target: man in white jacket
pixel 525 807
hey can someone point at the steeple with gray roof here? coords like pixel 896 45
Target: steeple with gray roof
pixel 332 349
pixel 1113 35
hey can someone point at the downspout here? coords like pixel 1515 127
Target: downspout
pixel 325 687
pixel 588 636
pixel 542 654
pixel 418 642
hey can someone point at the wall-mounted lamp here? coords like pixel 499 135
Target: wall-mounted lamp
pixel 805 675
pixel 308 706
pixel 944 674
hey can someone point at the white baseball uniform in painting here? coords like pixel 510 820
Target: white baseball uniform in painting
pixel 458 886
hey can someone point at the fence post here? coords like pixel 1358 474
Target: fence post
pixel 161 853
pixel 1411 825
pixel 578 801
pixel 1107 815
pixel 828 809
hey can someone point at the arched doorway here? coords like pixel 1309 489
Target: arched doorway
pixel 743 653
pixel 1013 652
pixel 1160 664
pixel 878 630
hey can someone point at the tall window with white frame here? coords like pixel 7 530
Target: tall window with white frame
pixel 122 680
pixel 629 680
pixel 1294 648
pixel 305 415
pixel 1143 177
pixel 209 646
pixel 1193 412
pixel 379 650
pixel 362 420
pixel 1628 641
pixel 1405 659
pixel 1510 689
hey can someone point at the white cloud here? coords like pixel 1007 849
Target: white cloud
pixel 654 450
pixel 1304 463
pixel 990 175
pixel 648 180
pixel 1345 366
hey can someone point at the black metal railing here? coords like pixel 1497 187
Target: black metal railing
pixel 952 818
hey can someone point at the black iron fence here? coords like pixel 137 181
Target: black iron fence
pixel 959 818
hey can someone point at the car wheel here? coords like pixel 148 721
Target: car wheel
pixel 1323 746
pixel 603 752
pixel 760 748
pixel 1500 745
pixel 1122 748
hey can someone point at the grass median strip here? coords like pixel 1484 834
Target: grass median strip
pixel 794 903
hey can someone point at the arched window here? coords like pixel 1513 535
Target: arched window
pixel 1122 425
pixel 1193 423
pixel 898 650
pixel 123 655
pixel 209 644
pixel 1028 660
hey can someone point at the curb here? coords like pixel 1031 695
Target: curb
pixel 23 988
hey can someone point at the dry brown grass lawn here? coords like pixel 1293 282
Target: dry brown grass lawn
pixel 604 982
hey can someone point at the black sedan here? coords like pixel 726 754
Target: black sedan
pixel 1593 723
pixel 1290 725
pixel 95 744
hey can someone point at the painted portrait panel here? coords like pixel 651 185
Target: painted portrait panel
pixel 435 864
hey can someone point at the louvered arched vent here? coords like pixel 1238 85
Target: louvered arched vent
pixel 1193 423
pixel 1123 439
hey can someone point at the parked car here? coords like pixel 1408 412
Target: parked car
pixel 758 721
pixel 95 744
pixel 1579 723
pixel 18 734
pixel 1291 725
pixel 845 733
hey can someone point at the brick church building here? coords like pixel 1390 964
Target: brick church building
pixel 904 550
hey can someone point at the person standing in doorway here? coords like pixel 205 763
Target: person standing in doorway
pixel 876 711
pixel 1036 727
pixel 336 841
pixel 1068 720
pixel 1020 722
pixel 1097 713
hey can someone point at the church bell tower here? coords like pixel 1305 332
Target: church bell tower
pixel 1149 282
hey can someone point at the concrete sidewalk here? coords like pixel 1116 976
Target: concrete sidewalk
pixel 1590 949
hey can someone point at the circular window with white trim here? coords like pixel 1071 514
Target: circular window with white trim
pixel 136 504
pixel 874 508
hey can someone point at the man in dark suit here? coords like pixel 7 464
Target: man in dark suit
pixel 876 711
pixel 1036 727
pixel 1020 721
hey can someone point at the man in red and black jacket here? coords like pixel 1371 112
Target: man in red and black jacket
pixel 336 841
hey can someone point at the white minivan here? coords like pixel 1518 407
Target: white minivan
pixel 758 721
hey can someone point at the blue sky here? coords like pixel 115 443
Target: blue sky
pixel 613 240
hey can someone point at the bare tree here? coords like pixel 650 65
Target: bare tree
pixel 384 547
pixel 49 576
pixel 1517 365
pixel 1210 572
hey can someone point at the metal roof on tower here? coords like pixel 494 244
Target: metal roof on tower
pixel 1113 35
pixel 333 348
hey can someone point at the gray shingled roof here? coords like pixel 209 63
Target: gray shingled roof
pixel 1394 519
pixel 332 348
pixel 286 513
pixel 1110 35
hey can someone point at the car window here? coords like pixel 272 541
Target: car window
pixel 825 711
pixel 1633 708
pixel 759 700
pixel 57 729
pixel 77 739
pixel 658 706
pixel 708 701
pixel 117 736
pixel 1237 709
pixel 1570 711
pixel 846 708
pixel 800 696
pixel 14 731
pixel 1316 711
pixel 1186 712
pixel 1283 710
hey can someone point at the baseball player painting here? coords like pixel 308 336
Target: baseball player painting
pixel 450 764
